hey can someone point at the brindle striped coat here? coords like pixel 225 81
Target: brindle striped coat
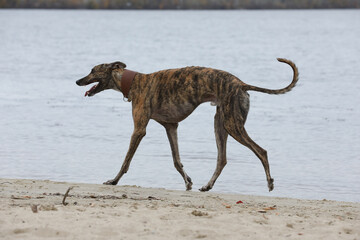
pixel 169 96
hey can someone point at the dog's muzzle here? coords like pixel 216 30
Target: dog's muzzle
pixel 93 90
pixel 81 82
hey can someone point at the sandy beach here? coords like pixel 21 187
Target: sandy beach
pixel 35 209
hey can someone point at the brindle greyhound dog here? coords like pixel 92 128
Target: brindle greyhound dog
pixel 169 96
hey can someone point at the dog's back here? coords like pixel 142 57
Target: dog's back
pixel 175 93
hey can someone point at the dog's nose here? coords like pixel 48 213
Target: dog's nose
pixel 78 82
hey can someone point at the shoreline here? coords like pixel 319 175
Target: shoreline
pixel 33 208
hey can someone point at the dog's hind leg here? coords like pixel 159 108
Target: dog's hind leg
pixel 221 138
pixel 261 153
pixel 235 114
pixel 171 131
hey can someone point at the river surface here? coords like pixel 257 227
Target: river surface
pixel 48 130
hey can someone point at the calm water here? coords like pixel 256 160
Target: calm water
pixel 48 130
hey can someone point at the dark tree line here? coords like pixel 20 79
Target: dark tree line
pixel 180 4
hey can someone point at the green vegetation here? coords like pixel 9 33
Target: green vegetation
pixel 180 4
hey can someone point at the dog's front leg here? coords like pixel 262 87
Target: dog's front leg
pixel 139 132
pixel 171 130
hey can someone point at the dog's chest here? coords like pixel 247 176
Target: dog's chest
pixel 172 113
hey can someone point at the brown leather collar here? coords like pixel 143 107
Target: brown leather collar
pixel 126 80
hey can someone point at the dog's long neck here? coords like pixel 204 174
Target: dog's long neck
pixel 126 80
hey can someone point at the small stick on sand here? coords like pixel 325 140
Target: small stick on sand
pixel 66 194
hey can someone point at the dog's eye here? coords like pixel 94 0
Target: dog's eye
pixel 92 71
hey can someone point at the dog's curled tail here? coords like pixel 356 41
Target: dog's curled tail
pixel 277 91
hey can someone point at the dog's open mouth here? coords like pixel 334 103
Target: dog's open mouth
pixel 91 91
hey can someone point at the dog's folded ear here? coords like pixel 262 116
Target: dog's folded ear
pixel 116 65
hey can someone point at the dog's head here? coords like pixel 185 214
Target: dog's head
pixel 104 76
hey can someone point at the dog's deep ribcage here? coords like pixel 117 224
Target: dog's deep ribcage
pixel 175 93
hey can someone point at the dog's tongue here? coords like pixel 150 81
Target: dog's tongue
pixel 87 92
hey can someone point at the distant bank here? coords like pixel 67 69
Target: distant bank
pixel 180 4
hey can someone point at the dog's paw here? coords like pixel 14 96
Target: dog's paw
pixel 188 183
pixel 271 184
pixel 189 186
pixel 205 188
pixel 110 182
